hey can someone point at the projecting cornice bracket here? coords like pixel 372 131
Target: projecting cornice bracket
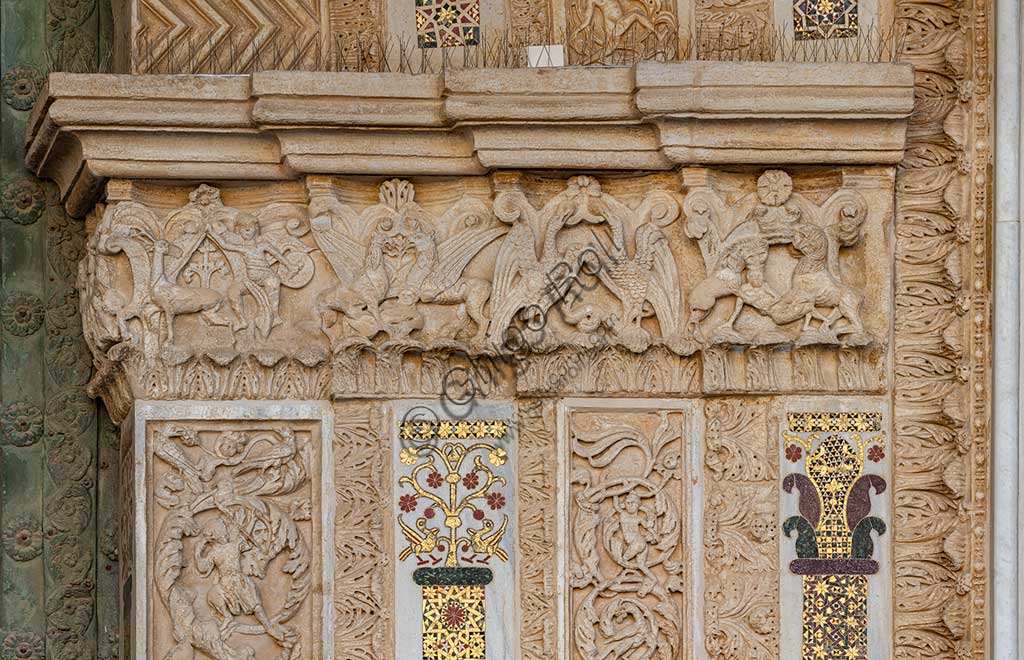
pixel 282 125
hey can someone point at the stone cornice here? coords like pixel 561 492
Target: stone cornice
pixel 283 125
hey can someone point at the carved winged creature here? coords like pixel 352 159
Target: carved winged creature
pixel 631 258
pixel 199 259
pixel 397 250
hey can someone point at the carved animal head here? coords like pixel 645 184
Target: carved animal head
pixel 162 247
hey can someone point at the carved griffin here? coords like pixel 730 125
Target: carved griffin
pixel 394 256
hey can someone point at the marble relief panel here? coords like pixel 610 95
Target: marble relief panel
pixel 741 533
pixel 630 512
pixel 236 522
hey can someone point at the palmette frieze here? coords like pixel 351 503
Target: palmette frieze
pixel 709 282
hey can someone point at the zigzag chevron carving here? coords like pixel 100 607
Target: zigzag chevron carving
pixel 207 36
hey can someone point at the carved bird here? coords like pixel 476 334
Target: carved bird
pixel 419 544
pixel 645 283
pixel 488 545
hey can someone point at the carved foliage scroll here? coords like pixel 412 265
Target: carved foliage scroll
pixel 628 558
pixel 235 556
pixel 362 575
pixel 943 325
pixel 537 528
pixel 741 615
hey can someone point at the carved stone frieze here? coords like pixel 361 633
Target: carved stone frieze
pixel 513 282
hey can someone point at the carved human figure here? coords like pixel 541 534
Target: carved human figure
pixel 234 592
pixel 638 527
pixel 616 18
pixel 737 256
pixel 259 280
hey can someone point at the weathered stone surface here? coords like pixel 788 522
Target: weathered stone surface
pixel 233 530
pixel 648 117
pixel 733 235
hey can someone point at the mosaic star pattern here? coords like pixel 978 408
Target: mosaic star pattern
pixel 834 544
pixel 454 622
pixel 447 23
pixel 835 617
pixel 824 19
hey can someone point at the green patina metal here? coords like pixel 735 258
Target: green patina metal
pixel 58 450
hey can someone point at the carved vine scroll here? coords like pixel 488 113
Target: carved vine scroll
pixel 236 526
pixel 628 567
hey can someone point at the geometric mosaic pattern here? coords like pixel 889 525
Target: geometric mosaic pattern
pixel 835 617
pixel 835 422
pixel 446 23
pixel 824 19
pixel 454 622
pixel 834 527
pixel 479 429
pixel 836 465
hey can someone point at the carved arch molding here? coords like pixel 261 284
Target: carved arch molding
pixel 709 410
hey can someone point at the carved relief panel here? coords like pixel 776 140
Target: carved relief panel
pixel 629 519
pixel 235 527
pixel 741 601
pixel 787 264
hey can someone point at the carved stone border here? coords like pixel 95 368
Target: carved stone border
pixel 943 325
pixel 316 411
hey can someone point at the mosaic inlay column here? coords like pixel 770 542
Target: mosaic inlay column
pixel 455 514
pixel 835 474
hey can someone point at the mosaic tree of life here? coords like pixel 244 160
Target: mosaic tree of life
pixel 453 517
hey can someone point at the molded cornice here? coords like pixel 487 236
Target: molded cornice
pixel 282 125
